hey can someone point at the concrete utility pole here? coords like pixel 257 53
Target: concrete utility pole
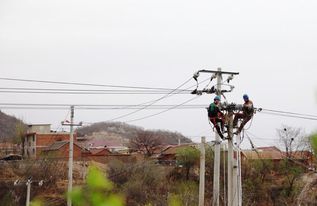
pixel 28 191
pixel 70 161
pixel 218 91
pixel 230 161
pixel 239 187
pixel 202 172
pixel 216 184
pixel 28 184
pixel 71 152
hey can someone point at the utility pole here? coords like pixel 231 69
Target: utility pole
pixel 70 161
pixel 28 191
pixel 202 172
pixel 71 152
pixel 218 91
pixel 28 184
pixel 230 161
pixel 216 183
pixel 239 178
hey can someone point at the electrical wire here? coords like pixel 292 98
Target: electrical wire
pixel 78 83
pixel 88 93
pixel 152 115
pixel 99 108
pixel 291 113
pixel 88 90
pixel 293 116
pixel 153 102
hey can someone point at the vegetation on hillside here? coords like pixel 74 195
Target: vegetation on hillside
pixel 129 132
pixel 11 128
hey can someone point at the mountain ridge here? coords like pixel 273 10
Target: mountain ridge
pixel 127 131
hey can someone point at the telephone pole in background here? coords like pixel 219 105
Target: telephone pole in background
pixel 71 152
pixel 202 172
pixel 28 191
pixel 28 184
pixel 218 91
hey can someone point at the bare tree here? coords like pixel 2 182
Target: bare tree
pixel 293 139
pixel 145 142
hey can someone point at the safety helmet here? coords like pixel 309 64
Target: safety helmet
pixel 217 98
pixel 245 97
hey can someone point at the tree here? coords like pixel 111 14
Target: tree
pixel 145 142
pixel 313 141
pixel 291 172
pixel 292 139
pixel 256 181
pixel 187 157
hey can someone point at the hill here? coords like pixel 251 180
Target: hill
pixel 126 131
pixel 10 127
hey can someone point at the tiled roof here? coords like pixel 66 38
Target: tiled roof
pixel 56 145
pixel 96 142
pixel 272 153
pixel 59 144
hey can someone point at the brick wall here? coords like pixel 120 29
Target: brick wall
pixel 63 152
pixel 45 140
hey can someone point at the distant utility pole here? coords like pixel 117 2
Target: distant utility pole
pixel 202 172
pixel 28 184
pixel 28 191
pixel 71 152
pixel 218 91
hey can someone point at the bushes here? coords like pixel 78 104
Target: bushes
pixel 265 183
pixel 142 183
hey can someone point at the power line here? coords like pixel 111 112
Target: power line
pixel 73 91
pixel 293 116
pixel 86 93
pixel 166 96
pixel 152 115
pixel 78 83
pixel 43 106
pixel 96 108
pixel 88 90
pixel 90 105
pixel 291 113
pixel 152 102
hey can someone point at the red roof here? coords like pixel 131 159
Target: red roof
pixel 272 153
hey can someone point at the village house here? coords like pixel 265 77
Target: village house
pixel 8 148
pixel 113 145
pixel 60 150
pixel 39 137
pixel 168 155
pixel 274 154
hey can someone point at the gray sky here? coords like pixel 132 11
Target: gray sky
pixel 161 44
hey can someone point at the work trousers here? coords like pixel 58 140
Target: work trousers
pixel 214 121
pixel 245 118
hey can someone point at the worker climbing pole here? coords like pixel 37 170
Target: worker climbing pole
pixel 225 118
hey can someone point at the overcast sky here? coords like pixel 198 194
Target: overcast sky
pixel 161 44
